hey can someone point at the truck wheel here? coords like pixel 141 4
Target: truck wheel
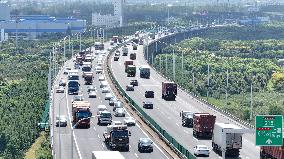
pixel 127 148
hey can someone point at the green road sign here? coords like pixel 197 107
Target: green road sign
pixel 268 130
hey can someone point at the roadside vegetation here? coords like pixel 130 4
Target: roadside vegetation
pixel 248 62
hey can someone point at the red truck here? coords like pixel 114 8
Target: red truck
pixel 81 114
pixel 169 90
pixel 126 63
pixel 203 125
pixel 272 152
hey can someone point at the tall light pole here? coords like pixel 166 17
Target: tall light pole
pixel 227 85
pixel 169 5
pixel 64 52
pixel 80 43
pixel 174 65
pixel 208 81
pixel 251 98
pixel 59 139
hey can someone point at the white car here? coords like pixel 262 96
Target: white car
pixel 101 78
pixel 105 90
pixel 129 121
pixel 62 120
pixel 119 112
pixel 92 94
pixel 60 89
pixel 108 96
pixel 199 150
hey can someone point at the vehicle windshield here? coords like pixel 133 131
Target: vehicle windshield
pixel 83 114
pixel 203 148
pixel 73 77
pixel 120 133
pixel 106 115
pixel 86 68
pixel 73 84
pixel 78 98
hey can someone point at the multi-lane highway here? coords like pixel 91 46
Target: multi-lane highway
pixel 84 141
pixel 166 113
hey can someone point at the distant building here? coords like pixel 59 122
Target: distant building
pixel 3 35
pixel 110 20
pixel 254 21
pixel 34 25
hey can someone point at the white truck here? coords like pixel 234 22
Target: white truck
pixel 107 155
pixel 227 138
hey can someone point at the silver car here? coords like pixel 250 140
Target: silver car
pixel 62 120
pixel 108 96
pixel 60 89
pixel 105 90
pixel 119 112
pixel 92 94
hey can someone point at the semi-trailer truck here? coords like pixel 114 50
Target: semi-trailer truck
pixel 88 76
pixel 203 125
pixel 117 137
pixel 131 71
pixel 81 114
pixel 227 138
pixel 144 71
pixel 169 90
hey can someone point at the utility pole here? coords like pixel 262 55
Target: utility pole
pixel 64 52
pixel 160 63
pixel 80 43
pixel 174 65
pixel 208 81
pixel 182 69
pixel 227 85
pixel 166 64
pixel 69 43
pixel 251 102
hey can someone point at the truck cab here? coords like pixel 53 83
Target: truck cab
pixel 131 71
pixel 117 136
pixel 133 56
pixel 169 90
pixel 187 118
pixel 144 71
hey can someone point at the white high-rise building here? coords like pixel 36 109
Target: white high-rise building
pixel 110 20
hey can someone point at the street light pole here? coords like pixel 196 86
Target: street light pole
pixel 251 102
pixel 227 85
pixel 59 125
pixel 174 65
pixel 80 43
pixel 208 81
pixel 64 52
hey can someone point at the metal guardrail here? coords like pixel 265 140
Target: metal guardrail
pixel 199 99
pixel 175 145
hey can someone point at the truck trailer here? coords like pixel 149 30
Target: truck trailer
pixel 228 142
pixel 107 155
pixel 81 114
pixel 169 90
pixel 117 137
pixel 203 125
pixel 88 76
pixel 131 71
pixel 144 71
pixel 272 152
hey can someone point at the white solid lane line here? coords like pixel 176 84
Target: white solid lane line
pixel 75 139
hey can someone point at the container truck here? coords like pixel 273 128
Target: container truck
pixel 186 118
pixel 131 71
pixel 126 63
pixel 117 137
pixel 144 71
pixel 272 152
pixel 133 56
pixel 227 138
pixel 88 76
pixel 124 51
pixel 107 155
pixel 203 124
pixel 169 90
pixel 81 114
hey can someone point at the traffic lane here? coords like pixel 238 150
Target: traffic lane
pixel 171 104
pixel 65 132
pixel 184 100
pixel 136 133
